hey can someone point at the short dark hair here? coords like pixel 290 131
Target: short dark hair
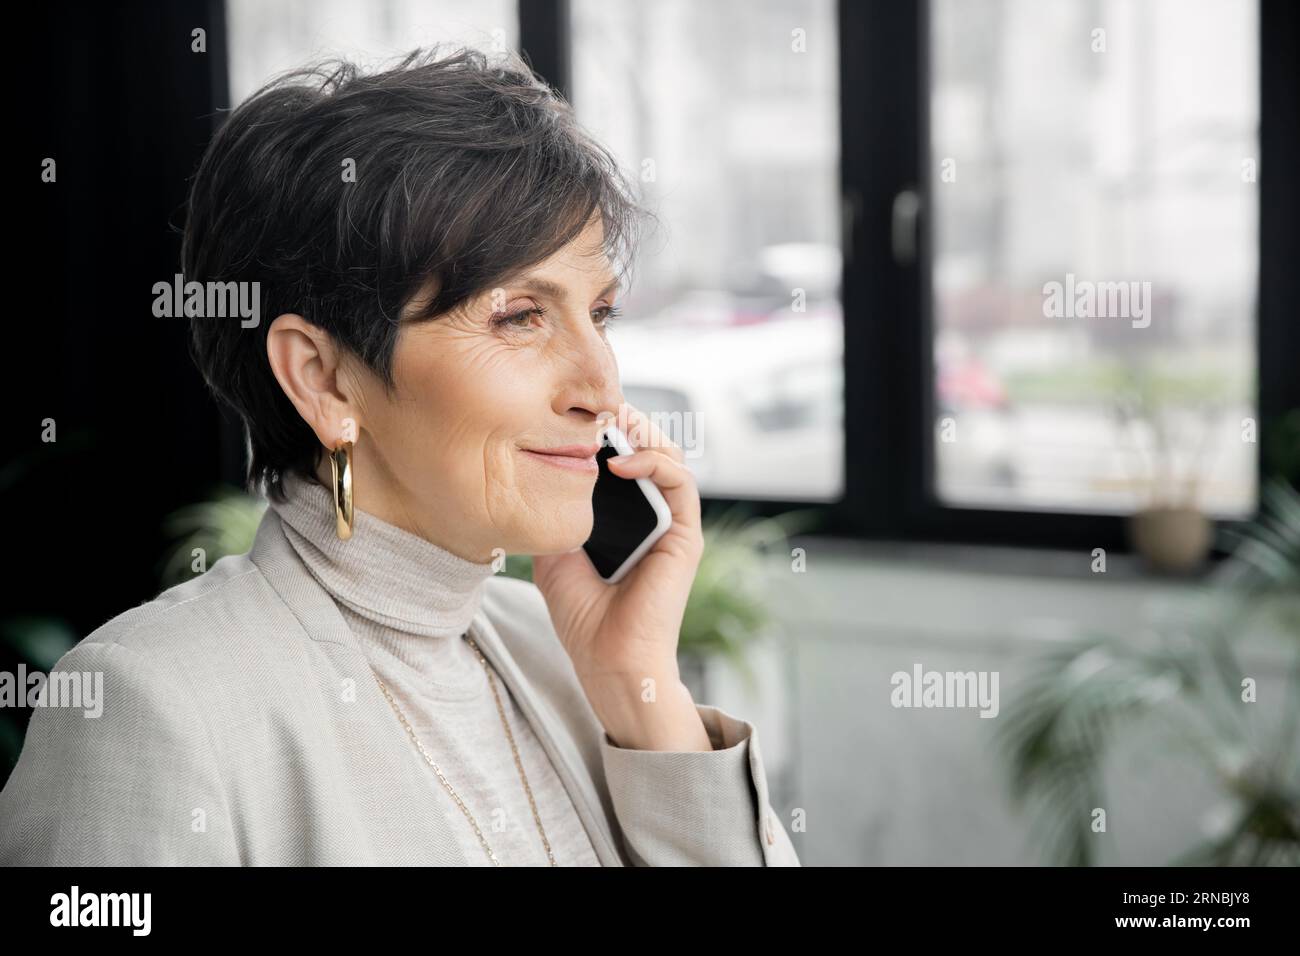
pixel 468 170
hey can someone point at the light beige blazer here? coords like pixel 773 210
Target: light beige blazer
pixel 241 726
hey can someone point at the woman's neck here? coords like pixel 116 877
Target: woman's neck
pixel 383 572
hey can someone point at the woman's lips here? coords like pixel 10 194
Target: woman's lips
pixel 575 458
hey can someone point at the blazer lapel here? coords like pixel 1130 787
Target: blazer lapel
pixel 321 619
pixel 323 623
pixel 559 746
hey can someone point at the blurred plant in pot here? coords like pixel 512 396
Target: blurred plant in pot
pixel 1189 688
pixel 729 605
pixel 1167 414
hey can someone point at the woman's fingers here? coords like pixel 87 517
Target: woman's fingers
pixel 670 476
pixel 642 432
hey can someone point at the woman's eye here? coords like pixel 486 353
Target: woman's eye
pixel 602 317
pixel 517 320
pixel 606 314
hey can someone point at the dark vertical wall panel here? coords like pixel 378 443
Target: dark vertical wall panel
pixel 115 95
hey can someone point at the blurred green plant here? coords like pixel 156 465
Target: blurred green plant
pixel 224 524
pixel 729 606
pixel 1187 687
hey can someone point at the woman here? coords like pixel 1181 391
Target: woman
pixel 438 249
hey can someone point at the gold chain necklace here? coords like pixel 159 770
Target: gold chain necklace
pixel 447 784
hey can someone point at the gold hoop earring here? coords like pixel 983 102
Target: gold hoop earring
pixel 341 466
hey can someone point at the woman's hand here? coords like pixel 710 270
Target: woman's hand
pixel 622 638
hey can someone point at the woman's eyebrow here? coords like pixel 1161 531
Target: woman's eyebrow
pixel 556 291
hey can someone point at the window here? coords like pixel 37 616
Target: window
pixel 1094 222
pixel 1015 283
pixel 725 115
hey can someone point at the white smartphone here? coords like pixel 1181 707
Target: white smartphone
pixel 630 513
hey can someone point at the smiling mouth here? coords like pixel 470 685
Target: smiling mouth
pixel 576 459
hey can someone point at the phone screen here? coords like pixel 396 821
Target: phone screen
pixel 622 517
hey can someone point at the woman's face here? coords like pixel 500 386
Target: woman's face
pixel 523 366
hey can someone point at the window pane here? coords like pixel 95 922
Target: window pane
pixel 725 115
pixel 268 38
pixel 1095 253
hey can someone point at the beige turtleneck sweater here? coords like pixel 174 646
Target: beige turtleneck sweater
pixel 410 603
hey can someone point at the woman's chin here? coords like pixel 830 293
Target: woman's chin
pixel 565 533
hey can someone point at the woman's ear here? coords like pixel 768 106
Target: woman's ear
pixel 306 362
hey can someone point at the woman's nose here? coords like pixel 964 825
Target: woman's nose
pixel 592 380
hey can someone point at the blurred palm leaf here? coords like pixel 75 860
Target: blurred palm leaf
pixel 1184 680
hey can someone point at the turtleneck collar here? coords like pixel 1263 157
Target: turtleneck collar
pixel 383 572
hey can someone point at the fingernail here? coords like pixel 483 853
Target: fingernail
pixel 617 458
